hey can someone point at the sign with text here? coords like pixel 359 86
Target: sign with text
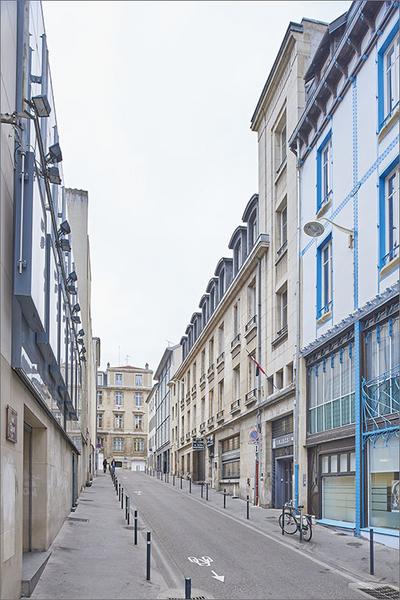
pixel 198 444
pixel 282 441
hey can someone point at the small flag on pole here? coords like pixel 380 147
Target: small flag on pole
pixel 258 366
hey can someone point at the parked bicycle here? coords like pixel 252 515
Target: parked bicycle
pixel 290 518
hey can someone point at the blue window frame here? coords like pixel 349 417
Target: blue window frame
pixel 388 76
pixel 389 216
pixel 324 277
pixel 324 171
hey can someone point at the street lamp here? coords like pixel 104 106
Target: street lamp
pixel 315 229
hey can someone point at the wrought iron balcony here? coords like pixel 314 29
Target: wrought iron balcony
pixel 220 415
pixel 250 397
pixel 235 406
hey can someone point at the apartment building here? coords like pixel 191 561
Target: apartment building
pixel 275 117
pixel 215 390
pixel 48 356
pixel 347 145
pixel 122 410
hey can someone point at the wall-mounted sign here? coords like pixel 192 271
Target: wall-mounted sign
pixel 198 444
pixel 254 436
pixel 11 433
pixel 210 441
pixel 282 441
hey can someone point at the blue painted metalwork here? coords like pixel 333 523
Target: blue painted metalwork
pixel 382 118
pixel 356 188
pixel 296 485
pixel 358 427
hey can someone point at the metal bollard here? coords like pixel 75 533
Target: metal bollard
pixel 128 509
pixel 148 556
pixel 122 498
pixel 135 522
pixel 201 485
pixel 248 507
pixel 283 520
pixel 188 588
pixel 119 491
pixel 206 491
pixel 371 552
pixel 190 485
pixel 181 481
pixel 173 479
pixel 224 498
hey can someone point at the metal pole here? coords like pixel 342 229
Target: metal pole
pixel 301 525
pixel 188 588
pixel 248 507
pixel 135 520
pixel 148 555
pixel 190 485
pixel 173 479
pixel 119 491
pixel 371 552
pixel 224 498
pixel 201 489
pixel 122 497
pixel 128 509
pixel 283 520
pixel 181 481
pixel 206 491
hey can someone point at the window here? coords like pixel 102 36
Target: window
pixel 211 352
pixel 203 362
pixel 138 422
pixel 279 379
pixel 203 410
pixel 281 228
pixel 99 397
pixel 212 300
pixel 251 380
pixel 281 307
pixel 138 399
pixel 252 229
pixel 100 421
pixel 194 417
pixel 236 383
pixel 230 456
pixel 210 403
pixel 99 378
pixel 331 391
pixel 100 442
pixel 251 300
pixel 138 379
pixel 324 278
pixel 388 75
pixel 236 318
pixel 324 171
pixel 138 445
pixel 221 339
pixel 389 214
pixel 118 421
pixel 220 395
pixel 237 256
pixel 118 444
pixel 280 143
pixel 194 373
pixel 204 314
pixel 183 425
pixel 221 283
pixel 118 378
pixel 119 399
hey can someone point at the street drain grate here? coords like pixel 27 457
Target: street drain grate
pixel 383 592
pixel 77 519
pixel 193 598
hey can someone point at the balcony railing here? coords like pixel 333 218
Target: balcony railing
pixel 187 395
pixel 221 361
pixel 210 422
pixel 251 324
pixel 202 426
pixel 203 379
pixel 250 397
pixel 182 439
pixel 235 406
pixel 220 415
pixel 235 342
pixel 194 432
pixel 211 372
pixel 188 435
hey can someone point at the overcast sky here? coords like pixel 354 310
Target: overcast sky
pixel 154 101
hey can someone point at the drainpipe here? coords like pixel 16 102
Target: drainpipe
pixel 296 408
pixel 259 359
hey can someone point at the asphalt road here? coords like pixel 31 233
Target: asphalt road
pixel 253 565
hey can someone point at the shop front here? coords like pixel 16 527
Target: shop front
pixel 383 482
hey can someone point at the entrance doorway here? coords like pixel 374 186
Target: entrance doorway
pixel 198 465
pixel 283 481
pixel 27 496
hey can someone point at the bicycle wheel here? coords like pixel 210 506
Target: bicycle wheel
pixel 289 523
pixel 307 529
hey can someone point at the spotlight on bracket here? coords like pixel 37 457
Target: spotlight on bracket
pixel 76 308
pixel 72 277
pixel 64 245
pixel 75 319
pixel 80 341
pixel 54 154
pixel 41 105
pixel 54 175
pixel 71 289
pixel 81 332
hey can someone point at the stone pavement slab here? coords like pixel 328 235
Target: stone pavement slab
pixel 93 556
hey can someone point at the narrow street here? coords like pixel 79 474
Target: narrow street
pixel 253 565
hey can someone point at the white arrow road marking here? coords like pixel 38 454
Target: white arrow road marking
pixel 219 577
pixel 203 561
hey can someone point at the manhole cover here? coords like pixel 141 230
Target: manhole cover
pixel 383 592
pixel 77 519
pixel 179 594
pixel 354 544
pixel 340 533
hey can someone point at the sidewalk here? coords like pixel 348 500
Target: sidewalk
pixel 93 556
pixel 337 547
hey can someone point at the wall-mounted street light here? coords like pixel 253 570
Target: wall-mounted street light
pixel 316 229
pixel 54 175
pixel 64 245
pixel 81 332
pixel 41 105
pixel 71 289
pixel 54 154
pixel 75 319
pixel 65 228
pixel 76 308
pixel 72 277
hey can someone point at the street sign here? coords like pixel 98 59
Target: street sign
pixel 253 436
pixel 198 444
pixel 210 441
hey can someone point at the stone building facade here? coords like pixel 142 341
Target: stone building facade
pixel 122 411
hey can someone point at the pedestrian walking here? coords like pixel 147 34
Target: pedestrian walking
pixel 105 465
pixel 113 466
